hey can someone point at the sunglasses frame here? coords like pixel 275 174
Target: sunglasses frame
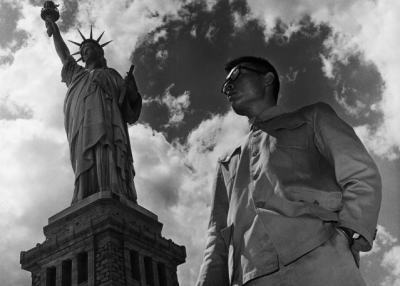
pixel 232 76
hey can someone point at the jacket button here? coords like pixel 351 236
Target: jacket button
pixel 260 204
pixel 316 203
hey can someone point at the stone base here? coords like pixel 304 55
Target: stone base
pixel 104 240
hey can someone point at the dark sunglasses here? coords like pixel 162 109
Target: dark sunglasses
pixel 234 74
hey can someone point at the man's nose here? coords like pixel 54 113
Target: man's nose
pixel 229 86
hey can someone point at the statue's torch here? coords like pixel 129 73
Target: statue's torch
pixel 50 11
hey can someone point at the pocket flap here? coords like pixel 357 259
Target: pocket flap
pixel 290 123
pixel 328 200
pixel 322 213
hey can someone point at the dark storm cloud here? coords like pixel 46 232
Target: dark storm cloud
pixel 213 37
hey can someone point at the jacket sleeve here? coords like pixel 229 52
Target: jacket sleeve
pixel 214 270
pixel 356 173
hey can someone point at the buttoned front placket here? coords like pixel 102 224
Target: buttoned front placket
pixel 257 163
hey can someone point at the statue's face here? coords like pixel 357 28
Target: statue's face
pixel 91 53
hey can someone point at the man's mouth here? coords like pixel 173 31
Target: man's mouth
pixel 230 95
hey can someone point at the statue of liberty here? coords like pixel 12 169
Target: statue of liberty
pixel 98 106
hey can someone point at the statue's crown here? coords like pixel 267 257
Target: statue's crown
pixel 87 41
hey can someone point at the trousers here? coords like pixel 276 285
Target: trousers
pixel 330 264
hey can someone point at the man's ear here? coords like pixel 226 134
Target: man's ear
pixel 268 79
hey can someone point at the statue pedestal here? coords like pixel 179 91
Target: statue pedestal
pixel 104 240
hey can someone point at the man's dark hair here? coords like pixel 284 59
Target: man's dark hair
pixel 259 62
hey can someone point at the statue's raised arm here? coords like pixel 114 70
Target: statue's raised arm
pixel 61 48
pixel 50 15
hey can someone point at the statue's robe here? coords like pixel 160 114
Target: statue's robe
pixel 96 116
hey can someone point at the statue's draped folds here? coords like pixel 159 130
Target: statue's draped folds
pixel 97 132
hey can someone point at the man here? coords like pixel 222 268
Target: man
pixel 97 107
pixel 296 200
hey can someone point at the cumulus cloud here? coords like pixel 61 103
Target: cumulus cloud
pixel 353 109
pixel 211 32
pixel 162 55
pixel 240 20
pixel 179 177
pixel 291 75
pixel 386 252
pixel 383 240
pixel 177 106
pixel 391 261
pixel 193 31
pixel 135 19
pixel 365 29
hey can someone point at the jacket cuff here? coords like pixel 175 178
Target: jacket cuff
pixel 364 243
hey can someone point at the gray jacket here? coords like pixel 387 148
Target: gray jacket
pixel 282 191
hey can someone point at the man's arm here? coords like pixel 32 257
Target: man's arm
pixel 356 173
pixel 61 48
pixel 214 270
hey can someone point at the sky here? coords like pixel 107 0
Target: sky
pixel 342 52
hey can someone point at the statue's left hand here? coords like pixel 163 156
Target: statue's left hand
pixel 131 85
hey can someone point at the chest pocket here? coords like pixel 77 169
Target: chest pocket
pixel 293 134
pixel 229 163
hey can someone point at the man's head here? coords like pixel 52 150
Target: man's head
pixel 252 85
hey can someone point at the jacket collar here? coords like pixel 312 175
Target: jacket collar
pixel 266 115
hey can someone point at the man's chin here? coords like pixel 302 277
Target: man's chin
pixel 237 109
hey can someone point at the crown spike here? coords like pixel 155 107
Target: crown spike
pixel 81 34
pixel 75 43
pixel 105 44
pixel 86 41
pixel 98 40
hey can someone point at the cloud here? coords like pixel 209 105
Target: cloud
pixel 391 261
pixel 386 253
pixel 162 34
pixel 211 32
pixel 162 55
pixel 327 67
pixel 174 180
pixel 291 75
pixel 193 31
pixel 177 106
pixel 135 19
pixel 367 30
pixel 353 109
pixel 383 239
